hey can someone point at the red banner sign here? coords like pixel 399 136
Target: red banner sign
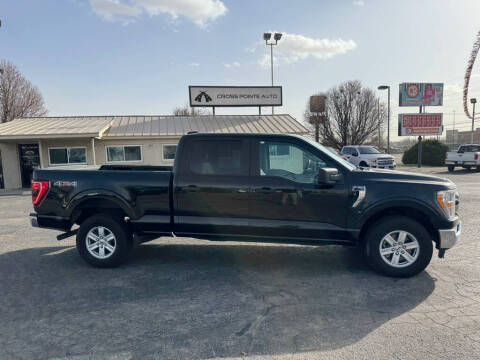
pixel 420 124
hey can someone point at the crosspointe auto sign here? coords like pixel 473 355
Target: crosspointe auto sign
pixel 235 95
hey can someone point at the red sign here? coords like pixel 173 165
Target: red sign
pixel 420 124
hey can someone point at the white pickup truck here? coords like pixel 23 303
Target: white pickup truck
pixel 467 156
pixel 368 156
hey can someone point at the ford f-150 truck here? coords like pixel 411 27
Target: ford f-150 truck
pixel 255 187
pixel 467 156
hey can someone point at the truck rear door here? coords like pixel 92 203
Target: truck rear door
pixel 211 187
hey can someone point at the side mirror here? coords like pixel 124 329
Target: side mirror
pixel 355 154
pixel 328 176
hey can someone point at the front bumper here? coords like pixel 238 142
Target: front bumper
pixel 449 237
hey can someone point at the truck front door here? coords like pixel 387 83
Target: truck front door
pixel 212 187
pixel 287 201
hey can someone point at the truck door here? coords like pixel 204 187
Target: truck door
pixel 212 187
pixel 287 201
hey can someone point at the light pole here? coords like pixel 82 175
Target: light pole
pixel 386 87
pixel 267 37
pixel 473 101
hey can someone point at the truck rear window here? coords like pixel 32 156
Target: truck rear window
pixel 217 157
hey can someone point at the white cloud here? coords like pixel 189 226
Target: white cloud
pixel 358 3
pixel 292 48
pixel 194 64
pixel 201 12
pixel 234 64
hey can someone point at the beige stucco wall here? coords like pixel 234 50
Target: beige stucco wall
pixel 11 165
pixel 152 150
pixel 152 154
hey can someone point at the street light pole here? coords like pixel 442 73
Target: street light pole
pixel 473 101
pixel 267 37
pixel 386 87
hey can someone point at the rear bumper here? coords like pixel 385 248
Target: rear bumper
pixel 50 222
pixel 448 238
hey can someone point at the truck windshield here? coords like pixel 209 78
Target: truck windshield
pixel 334 156
pixel 368 150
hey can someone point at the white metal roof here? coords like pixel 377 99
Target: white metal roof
pixel 132 126
pixel 48 127
pixel 147 126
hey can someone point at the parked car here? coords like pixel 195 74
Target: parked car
pixel 265 188
pixel 368 156
pixel 467 156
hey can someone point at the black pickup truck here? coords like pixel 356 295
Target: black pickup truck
pixel 264 188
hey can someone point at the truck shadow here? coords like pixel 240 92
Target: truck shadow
pixel 196 300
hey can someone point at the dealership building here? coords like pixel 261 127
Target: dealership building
pixel 47 142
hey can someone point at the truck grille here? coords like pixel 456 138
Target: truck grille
pixel 384 162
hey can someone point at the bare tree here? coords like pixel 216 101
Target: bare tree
pixel 18 97
pixel 354 115
pixel 186 110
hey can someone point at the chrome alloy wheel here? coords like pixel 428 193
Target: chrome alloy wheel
pixel 399 248
pixel 101 242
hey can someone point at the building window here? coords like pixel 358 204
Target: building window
pixel 124 153
pixel 169 152
pixel 64 156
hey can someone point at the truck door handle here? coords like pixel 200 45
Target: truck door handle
pixel 265 190
pixel 191 188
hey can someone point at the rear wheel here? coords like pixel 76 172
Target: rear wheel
pixel 398 246
pixel 103 241
pixel 451 168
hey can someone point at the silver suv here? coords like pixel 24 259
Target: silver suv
pixel 368 156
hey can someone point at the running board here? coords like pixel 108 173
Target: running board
pixel 67 234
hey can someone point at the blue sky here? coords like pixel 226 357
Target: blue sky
pixel 139 56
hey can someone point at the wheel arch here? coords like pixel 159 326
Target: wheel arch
pixel 87 204
pixel 421 215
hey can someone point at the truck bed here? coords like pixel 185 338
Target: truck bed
pixel 144 195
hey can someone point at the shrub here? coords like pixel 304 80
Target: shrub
pixel 433 153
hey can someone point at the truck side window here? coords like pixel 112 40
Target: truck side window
pixel 217 157
pixel 288 161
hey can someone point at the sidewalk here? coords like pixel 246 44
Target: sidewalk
pixel 15 192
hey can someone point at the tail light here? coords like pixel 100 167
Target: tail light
pixel 476 156
pixel 39 190
pixel 446 155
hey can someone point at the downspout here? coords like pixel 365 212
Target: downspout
pixel 93 152
pixel 40 150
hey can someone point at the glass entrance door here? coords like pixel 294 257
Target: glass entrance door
pixel 29 160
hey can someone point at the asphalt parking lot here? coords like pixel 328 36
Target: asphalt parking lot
pixel 190 299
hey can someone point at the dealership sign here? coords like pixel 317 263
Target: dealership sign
pixel 235 95
pixel 420 124
pixel 421 94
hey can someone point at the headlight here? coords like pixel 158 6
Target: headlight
pixel 446 201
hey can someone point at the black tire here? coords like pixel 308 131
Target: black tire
pixel 451 168
pixel 363 164
pixel 469 168
pixel 122 241
pixel 387 225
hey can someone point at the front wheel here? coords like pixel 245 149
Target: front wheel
pixel 104 241
pixel 398 246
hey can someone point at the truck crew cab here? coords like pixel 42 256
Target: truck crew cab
pixel 255 187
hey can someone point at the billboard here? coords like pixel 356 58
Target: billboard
pixel 235 95
pixel 421 94
pixel 420 124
